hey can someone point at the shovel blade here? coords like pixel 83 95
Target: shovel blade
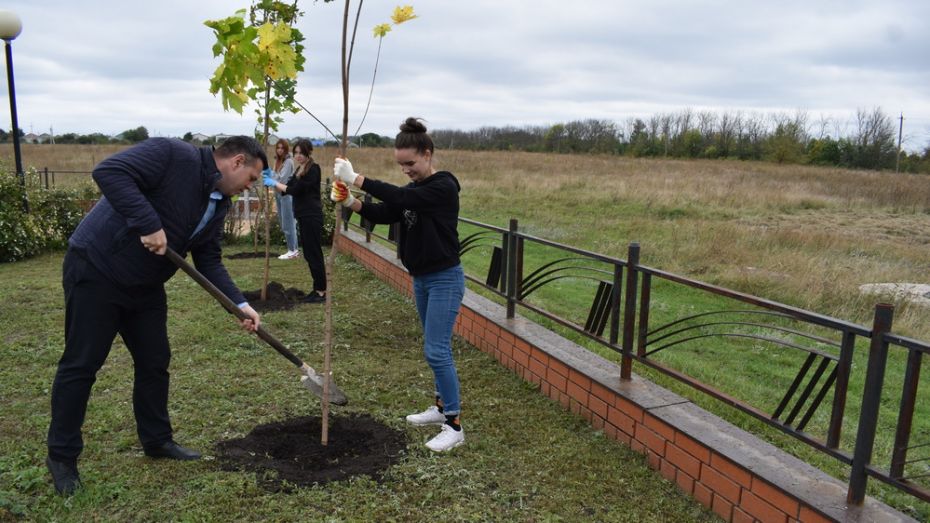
pixel 314 382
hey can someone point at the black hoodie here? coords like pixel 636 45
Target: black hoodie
pixel 428 213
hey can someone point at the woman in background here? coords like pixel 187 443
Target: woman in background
pixel 283 170
pixel 304 187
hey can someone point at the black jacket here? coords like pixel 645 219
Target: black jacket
pixel 306 193
pixel 428 213
pixel 160 183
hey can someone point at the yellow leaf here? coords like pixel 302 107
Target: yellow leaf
pixel 381 29
pixel 267 36
pixel 402 14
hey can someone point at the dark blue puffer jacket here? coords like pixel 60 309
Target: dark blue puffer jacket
pixel 161 183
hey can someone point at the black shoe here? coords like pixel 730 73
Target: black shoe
pixel 314 297
pixel 172 450
pixel 64 475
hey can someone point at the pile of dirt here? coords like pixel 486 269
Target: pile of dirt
pixel 277 298
pixel 289 453
pixel 249 255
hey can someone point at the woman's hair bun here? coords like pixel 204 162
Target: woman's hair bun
pixel 412 125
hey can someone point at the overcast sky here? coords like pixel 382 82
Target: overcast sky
pixel 102 65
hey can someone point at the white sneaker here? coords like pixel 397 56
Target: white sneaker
pixel 430 416
pixel 289 255
pixel 447 439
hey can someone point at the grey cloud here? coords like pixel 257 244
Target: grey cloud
pixel 483 62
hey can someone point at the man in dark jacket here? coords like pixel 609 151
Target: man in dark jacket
pixel 162 192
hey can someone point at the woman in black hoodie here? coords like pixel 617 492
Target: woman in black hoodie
pixel 427 209
pixel 304 187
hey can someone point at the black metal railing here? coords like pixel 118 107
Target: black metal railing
pixel 47 177
pixel 815 353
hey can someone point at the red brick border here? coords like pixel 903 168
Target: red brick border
pixel 674 437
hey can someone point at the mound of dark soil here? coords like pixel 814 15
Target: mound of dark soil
pixel 289 452
pixel 248 255
pixel 277 298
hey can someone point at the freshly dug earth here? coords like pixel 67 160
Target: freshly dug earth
pixel 289 453
pixel 277 298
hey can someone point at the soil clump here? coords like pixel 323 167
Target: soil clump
pixel 277 298
pixel 288 453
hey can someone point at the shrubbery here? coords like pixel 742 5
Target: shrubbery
pixel 53 216
pixel 233 228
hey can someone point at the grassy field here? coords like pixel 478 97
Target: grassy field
pixel 804 236
pixel 525 459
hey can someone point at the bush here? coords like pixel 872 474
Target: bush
pixel 60 214
pixel 711 152
pixel 275 234
pixel 232 229
pixel 53 216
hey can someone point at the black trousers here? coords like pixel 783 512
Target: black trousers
pixel 311 236
pixel 96 310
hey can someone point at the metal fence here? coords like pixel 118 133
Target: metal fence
pixel 810 365
pixel 51 178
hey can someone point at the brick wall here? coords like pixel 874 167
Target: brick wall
pixel 738 476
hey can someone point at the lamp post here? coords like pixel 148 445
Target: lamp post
pixel 10 27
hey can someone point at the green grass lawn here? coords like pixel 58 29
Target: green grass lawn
pixel 525 458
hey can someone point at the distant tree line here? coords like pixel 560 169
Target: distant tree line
pixel 364 140
pixel 869 142
pixel 8 137
pixel 128 136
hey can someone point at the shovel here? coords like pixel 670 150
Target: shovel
pixel 310 378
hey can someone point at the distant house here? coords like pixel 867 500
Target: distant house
pixel 199 137
pixel 44 138
pixel 31 138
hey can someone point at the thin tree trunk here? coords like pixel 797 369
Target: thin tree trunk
pixel 330 260
pixel 264 190
pixel 254 222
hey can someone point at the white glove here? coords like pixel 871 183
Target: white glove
pixel 343 171
pixel 341 194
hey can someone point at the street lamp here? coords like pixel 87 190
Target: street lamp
pixel 10 27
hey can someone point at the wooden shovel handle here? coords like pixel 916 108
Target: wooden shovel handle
pixel 230 306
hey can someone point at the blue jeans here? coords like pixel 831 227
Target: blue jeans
pixel 438 296
pixel 285 205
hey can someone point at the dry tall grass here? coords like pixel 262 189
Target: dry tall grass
pixel 807 236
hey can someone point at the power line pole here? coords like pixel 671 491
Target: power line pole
pixel 897 160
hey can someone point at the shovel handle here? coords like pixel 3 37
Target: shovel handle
pixel 230 306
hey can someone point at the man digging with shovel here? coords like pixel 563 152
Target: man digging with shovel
pixel 160 193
